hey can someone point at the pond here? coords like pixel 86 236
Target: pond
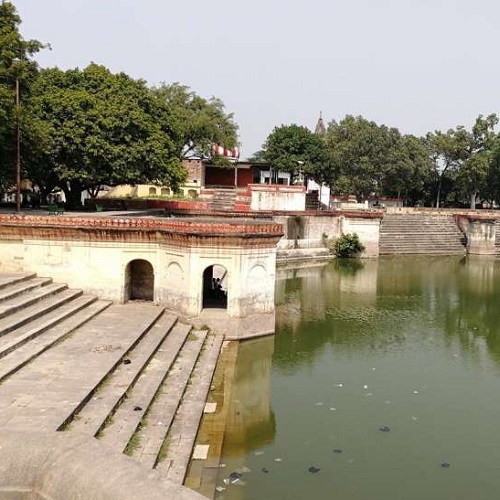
pixel 382 382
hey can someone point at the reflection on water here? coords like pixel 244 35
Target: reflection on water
pixel 409 344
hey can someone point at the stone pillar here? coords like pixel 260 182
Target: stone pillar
pixel 481 237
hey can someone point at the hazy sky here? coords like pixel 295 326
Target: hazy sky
pixel 417 65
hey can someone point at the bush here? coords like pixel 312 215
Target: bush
pixel 348 245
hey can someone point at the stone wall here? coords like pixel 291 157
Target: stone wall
pixel 277 197
pixel 311 234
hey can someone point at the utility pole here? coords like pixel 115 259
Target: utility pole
pixel 18 150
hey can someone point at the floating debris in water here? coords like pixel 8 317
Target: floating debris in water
pixel 384 428
pixel 414 418
pixel 244 470
pixel 387 402
pixel 332 408
pixel 369 394
pixel 319 404
pixel 365 387
pixel 264 470
pixel 415 392
pixel 445 465
pixel 258 453
pixel 278 459
pixel 373 369
pixel 222 465
pixel 340 384
pixel 337 450
pixel 234 477
pixel 220 488
pixel 313 469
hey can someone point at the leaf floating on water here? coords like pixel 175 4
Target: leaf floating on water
pixel 313 469
pixel 384 428
pixel 264 470
pixel 445 465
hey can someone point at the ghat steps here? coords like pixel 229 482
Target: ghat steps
pixel 224 200
pixel 132 376
pixel 420 234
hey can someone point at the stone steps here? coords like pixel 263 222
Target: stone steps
pixel 9 279
pixel 21 287
pixel 420 234
pixel 131 375
pixel 223 200
pixel 182 436
pixel 28 351
pixel 20 336
pixel 106 399
pixel 121 433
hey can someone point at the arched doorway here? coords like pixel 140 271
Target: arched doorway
pixel 139 280
pixel 215 287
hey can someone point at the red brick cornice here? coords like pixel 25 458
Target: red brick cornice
pixel 99 228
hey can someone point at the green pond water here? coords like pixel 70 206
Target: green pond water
pixel 408 344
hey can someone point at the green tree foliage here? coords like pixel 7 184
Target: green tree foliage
pixel 16 62
pixel 476 149
pixel 201 122
pixel 408 170
pixel 95 128
pixel 348 245
pixel 462 160
pixel 293 148
pixel 445 157
pixel 372 160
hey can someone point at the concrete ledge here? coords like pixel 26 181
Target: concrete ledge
pixel 60 466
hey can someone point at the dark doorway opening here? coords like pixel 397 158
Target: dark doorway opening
pixel 215 287
pixel 140 280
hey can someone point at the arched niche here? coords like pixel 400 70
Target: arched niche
pixel 139 280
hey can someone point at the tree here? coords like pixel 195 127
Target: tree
pixel 201 122
pixel 492 184
pixel 294 148
pixel 362 156
pixel 101 128
pixel 446 152
pixel 408 170
pixel 16 63
pixel 476 155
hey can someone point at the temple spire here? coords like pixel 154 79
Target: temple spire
pixel 320 126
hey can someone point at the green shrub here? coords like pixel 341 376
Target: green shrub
pixel 348 245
